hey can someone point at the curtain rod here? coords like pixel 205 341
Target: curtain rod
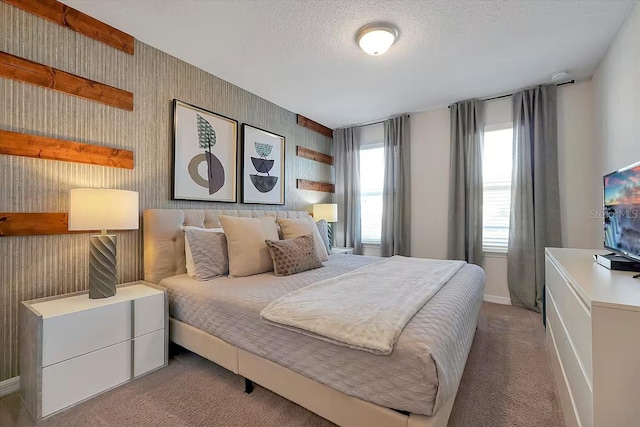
pixel 376 122
pixel 570 82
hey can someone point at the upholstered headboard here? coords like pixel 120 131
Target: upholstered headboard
pixel 164 240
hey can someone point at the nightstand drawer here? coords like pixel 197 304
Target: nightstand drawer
pixel 149 314
pixel 77 379
pixel 148 352
pixel 78 333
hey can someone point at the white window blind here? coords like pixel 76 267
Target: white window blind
pixel 496 173
pixel 371 182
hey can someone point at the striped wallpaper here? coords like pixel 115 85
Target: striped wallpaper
pixel 39 266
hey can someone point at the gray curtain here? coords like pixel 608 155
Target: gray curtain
pixel 535 200
pixel 465 181
pixel 347 154
pixel 396 193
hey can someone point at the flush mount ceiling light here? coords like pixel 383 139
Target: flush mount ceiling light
pixel 375 39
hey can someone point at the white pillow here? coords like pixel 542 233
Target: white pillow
pixel 210 257
pixel 323 229
pixel 191 269
pixel 248 252
pixel 297 227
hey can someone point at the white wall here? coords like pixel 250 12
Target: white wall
pixel 617 99
pixel 580 185
pixel 495 269
pixel 372 134
pixel 429 183
pixel 498 111
pixel 579 174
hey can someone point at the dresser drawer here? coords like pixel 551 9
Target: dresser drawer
pixel 148 352
pixel 575 315
pixel 149 314
pixel 74 380
pixel 577 383
pixel 74 334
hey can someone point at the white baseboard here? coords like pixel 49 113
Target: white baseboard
pixel 497 300
pixel 9 386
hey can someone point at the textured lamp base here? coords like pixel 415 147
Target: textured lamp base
pixel 102 266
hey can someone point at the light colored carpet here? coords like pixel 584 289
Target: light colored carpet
pixel 507 382
pixel 508 379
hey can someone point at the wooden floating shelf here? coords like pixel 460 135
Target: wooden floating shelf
pixel 314 126
pixel 34 224
pixel 75 20
pixel 310 154
pixel 304 184
pixel 20 144
pixel 24 70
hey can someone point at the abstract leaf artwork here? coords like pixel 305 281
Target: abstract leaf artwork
pixel 205 145
pixel 215 170
pixel 263 164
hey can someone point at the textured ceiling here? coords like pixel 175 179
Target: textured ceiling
pixel 302 55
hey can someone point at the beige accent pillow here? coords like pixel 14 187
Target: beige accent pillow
pixel 294 255
pixel 297 227
pixel 248 252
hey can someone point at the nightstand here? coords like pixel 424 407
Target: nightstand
pixel 346 251
pixel 73 348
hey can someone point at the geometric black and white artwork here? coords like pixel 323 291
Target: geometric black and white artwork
pixel 263 166
pixel 204 154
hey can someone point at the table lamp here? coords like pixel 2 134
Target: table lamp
pixel 328 212
pixel 102 209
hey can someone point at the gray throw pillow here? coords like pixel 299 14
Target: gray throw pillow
pixel 209 251
pixel 293 255
pixel 323 228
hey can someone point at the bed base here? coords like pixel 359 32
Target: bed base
pixel 337 407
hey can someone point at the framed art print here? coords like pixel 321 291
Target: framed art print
pixel 262 166
pixel 204 155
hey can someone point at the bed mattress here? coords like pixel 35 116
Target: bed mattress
pixel 420 374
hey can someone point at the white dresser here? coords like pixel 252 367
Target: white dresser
pixel 593 337
pixel 73 347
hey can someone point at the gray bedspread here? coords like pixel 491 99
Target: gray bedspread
pixel 419 375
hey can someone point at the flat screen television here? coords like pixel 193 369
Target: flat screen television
pixel 622 211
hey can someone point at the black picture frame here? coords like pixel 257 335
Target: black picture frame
pixel 192 185
pixel 257 168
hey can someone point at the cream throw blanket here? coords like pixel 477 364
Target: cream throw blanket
pixel 365 309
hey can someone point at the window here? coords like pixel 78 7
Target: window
pixel 371 182
pixel 497 160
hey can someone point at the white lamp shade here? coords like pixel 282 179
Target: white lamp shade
pixel 103 209
pixel 326 211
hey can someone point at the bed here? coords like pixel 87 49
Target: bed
pixel 220 320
